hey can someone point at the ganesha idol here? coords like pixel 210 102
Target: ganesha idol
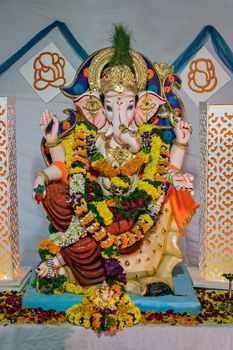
pixel 114 190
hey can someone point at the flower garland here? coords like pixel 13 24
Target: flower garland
pixel 95 213
pixel 72 234
pixel 107 307
pixel 47 249
pixel 12 311
pixel 104 308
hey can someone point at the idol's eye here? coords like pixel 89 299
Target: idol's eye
pixel 130 107
pixel 109 108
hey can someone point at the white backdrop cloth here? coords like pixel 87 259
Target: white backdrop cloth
pixel 67 337
pixel 162 30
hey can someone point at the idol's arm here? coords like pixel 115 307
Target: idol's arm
pixel 178 180
pixel 183 133
pixel 53 172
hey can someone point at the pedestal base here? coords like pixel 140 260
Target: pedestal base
pixel 184 299
pixel 200 282
pixel 19 282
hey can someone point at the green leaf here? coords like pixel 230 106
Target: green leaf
pixel 39 188
pixel 49 127
pixel 52 229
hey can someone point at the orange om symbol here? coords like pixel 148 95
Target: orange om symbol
pixel 48 71
pixel 202 76
pixel 2 111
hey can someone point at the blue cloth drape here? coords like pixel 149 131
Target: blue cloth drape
pixel 221 48
pixel 64 31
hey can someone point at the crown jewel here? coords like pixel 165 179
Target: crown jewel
pixel 118 79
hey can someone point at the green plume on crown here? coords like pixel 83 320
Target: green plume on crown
pixel 121 44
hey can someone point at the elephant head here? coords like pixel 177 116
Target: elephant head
pixel 119 114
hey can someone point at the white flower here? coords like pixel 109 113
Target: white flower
pixel 77 184
pixel 72 234
pixel 155 206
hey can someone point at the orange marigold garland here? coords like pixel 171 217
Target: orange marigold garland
pixel 94 215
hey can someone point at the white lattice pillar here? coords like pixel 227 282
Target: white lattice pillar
pixel 216 225
pixel 11 276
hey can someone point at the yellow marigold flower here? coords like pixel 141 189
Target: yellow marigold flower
pixel 58 291
pixel 132 166
pixel 150 189
pixel 124 240
pixel 82 128
pixel 86 322
pixel 109 242
pixel 125 299
pixel 79 211
pixel 151 167
pixel 143 226
pixel 137 232
pixel 99 235
pixel 47 244
pixel 80 135
pixel 82 152
pixel 77 170
pixel 96 324
pixel 104 212
pixel 87 219
pixel 117 182
pixel 94 227
pixel 147 218
pixel 117 289
pixel 73 288
pixel 131 239
pixel 144 156
pixel 145 128
pixel 79 143
pixel 113 329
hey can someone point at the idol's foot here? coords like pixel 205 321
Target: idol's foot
pixel 157 289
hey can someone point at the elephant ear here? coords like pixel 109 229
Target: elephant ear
pixel 147 106
pixel 92 109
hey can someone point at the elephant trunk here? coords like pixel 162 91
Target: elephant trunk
pixel 124 136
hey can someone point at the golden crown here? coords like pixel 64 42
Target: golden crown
pixel 118 79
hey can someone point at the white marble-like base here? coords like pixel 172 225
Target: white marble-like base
pixel 200 282
pixel 19 282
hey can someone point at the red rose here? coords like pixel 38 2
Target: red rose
pixel 90 189
pixel 126 206
pixel 113 210
pixel 119 216
pixel 140 201
pixel 133 205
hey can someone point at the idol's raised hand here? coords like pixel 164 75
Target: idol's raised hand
pixel 183 131
pixel 49 131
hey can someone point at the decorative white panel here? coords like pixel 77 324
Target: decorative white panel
pixel 216 216
pixel 9 247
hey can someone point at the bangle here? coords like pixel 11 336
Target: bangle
pixel 52 271
pixel 53 143
pixel 43 175
pixel 180 145
pixel 171 174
